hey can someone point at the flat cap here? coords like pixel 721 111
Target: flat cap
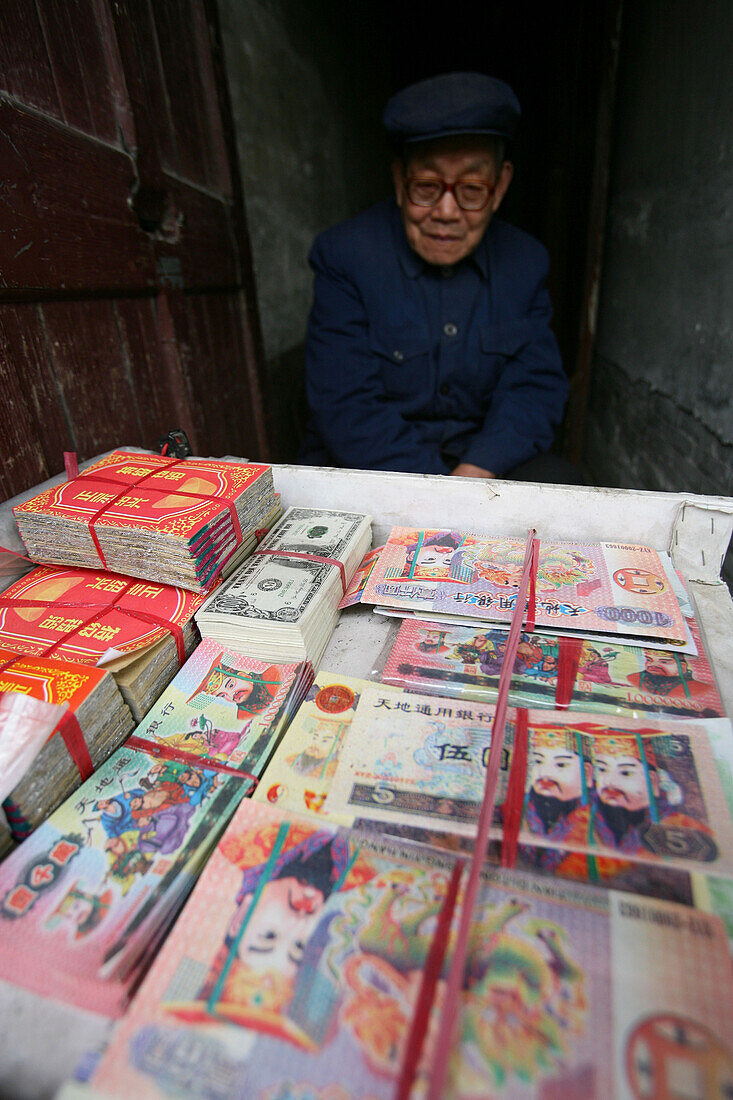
pixel 453 103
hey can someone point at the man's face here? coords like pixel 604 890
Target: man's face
pixel 556 773
pixel 444 234
pixel 620 781
pixel 435 557
pixel 278 930
pixel 231 689
pixel 658 663
pixel 321 741
pixel 79 910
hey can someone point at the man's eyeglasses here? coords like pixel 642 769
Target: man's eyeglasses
pixel 469 194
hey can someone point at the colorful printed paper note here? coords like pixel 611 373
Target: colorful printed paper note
pixel 298 777
pixel 296 968
pixel 224 708
pixel 162 519
pixel 646 791
pixel 355 590
pixel 553 670
pixel 83 899
pixel 613 588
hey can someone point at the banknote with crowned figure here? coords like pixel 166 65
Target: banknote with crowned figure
pixel 651 791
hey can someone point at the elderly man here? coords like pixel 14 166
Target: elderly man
pixel 429 348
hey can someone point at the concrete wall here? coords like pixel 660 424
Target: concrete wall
pixel 308 83
pixel 661 414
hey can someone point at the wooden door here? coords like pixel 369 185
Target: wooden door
pixel 127 302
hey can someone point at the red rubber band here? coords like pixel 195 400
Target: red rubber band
pixel 156 620
pixel 16 554
pixel 69 729
pixel 6 664
pixel 71 732
pixel 454 986
pixel 71 465
pixel 154 748
pixel 568 659
pixel 514 801
pixel 307 557
pixel 532 601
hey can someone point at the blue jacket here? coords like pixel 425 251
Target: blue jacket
pixel 417 368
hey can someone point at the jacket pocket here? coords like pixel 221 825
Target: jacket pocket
pixel 505 339
pixel 498 344
pixel 404 360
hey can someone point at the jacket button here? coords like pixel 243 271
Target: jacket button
pixel 444 389
pixel 450 329
pixel 398 356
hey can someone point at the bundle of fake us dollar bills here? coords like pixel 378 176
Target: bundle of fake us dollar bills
pixel 282 605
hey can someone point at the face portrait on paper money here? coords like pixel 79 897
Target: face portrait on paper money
pixel 319 757
pixel 647 795
pixel 621 781
pixel 258 963
pixel 558 777
pixel 431 558
pixel 250 692
pixel 667 674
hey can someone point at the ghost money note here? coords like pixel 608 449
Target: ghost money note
pixel 648 791
pixel 610 588
pixel 567 990
pixel 83 899
pixel 172 520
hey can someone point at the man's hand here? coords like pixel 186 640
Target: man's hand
pixel 466 469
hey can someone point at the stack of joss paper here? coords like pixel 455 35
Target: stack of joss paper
pixel 25 726
pixel 605 589
pixel 87 898
pixel 46 766
pixel 554 670
pixel 124 851
pixel 282 605
pixel 224 709
pixel 315 955
pixel 174 521
pixel 139 631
